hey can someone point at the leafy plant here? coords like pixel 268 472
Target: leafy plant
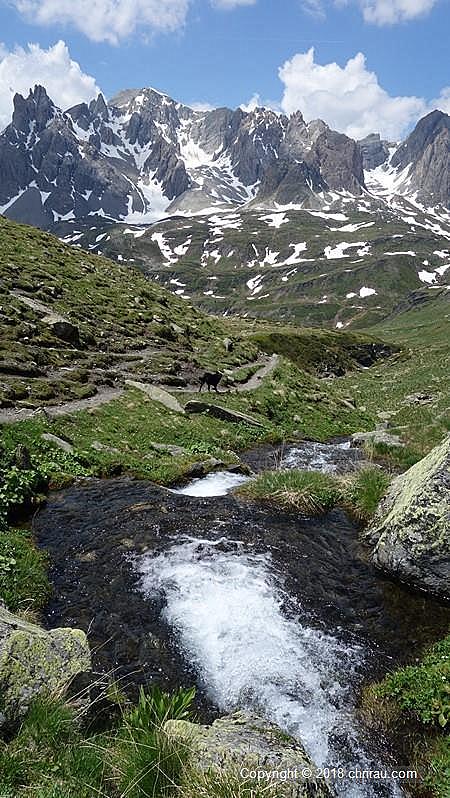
pixel 23 571
pixel 425 688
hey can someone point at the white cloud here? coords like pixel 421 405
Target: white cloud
pixel 53 68
pixel 107 20
pixel 113 20
pixel 388 12
pixel 314 7
pixel 349 98
pixel 442 102
pixel 254 102
pixel 202 106
pixel 378 12
pixel 228 4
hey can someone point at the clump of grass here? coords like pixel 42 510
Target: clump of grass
pixel 362 493
pixel 396 457
pixel 52 756
pixel 221 784
pixel 23 571
pixel 310 492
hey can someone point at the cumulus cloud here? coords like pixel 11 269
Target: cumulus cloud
pixel 349 98
pixel 63 78
pixel 388 12
pixel 107 20
pixel 113 20
pixel 443 101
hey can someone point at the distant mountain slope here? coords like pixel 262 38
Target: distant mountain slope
pixel 142 156
pixel 338 269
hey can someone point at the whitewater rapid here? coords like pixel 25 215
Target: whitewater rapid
pixel 251 647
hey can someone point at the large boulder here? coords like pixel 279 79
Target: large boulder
pixel 34 661
pixel 157 394
pixel 238 744
pixel 224 413
pixel 410 533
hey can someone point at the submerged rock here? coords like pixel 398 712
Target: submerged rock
pixel 34 661
pixel 241 742
pixel 410 533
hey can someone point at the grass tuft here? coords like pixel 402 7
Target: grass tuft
pixel 307 491
pixel 361 495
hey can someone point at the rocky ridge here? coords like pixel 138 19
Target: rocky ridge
pixel 143 155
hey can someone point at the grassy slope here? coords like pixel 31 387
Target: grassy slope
pixel 311 292
pixel 423 368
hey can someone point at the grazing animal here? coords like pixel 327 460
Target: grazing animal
pixel 211 378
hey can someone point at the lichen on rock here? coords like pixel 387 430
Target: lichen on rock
pixel 242 742
pixel 410 533
pixel 34 661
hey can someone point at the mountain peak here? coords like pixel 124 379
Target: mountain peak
pixel 37 107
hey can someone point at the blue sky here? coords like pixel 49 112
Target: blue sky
pixel 226 52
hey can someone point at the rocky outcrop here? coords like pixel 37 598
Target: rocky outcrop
pixel 34 662
pixel 99 159
pixel 157 394
pixel 374 151
pixel 376 437
pixel 426 152
pixel 224 413
pixel 240 743
pixel 410 534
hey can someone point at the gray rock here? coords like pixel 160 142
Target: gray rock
pixel 245 742
pixel 426 152
pixel 377 436
pixel 410 534
pixel 35 662
pixel 63 329
pixel 157 394
pixel 101 447
pixel 224 413
pixel 374 150
pixel 175 451
pixel 59 442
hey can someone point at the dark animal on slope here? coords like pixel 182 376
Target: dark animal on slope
pixel 211 378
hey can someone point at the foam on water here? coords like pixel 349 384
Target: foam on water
pixel 218 483
pixel 320 456
pixel 251 647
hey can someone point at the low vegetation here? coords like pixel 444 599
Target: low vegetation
pixel 56 753
pixel 314 493
pixel 413 703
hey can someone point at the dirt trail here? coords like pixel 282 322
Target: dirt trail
pixel 104 395
pixel 255 381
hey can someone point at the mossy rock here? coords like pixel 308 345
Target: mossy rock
pixel 410 533
pixel 244 742
pixel 34 662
